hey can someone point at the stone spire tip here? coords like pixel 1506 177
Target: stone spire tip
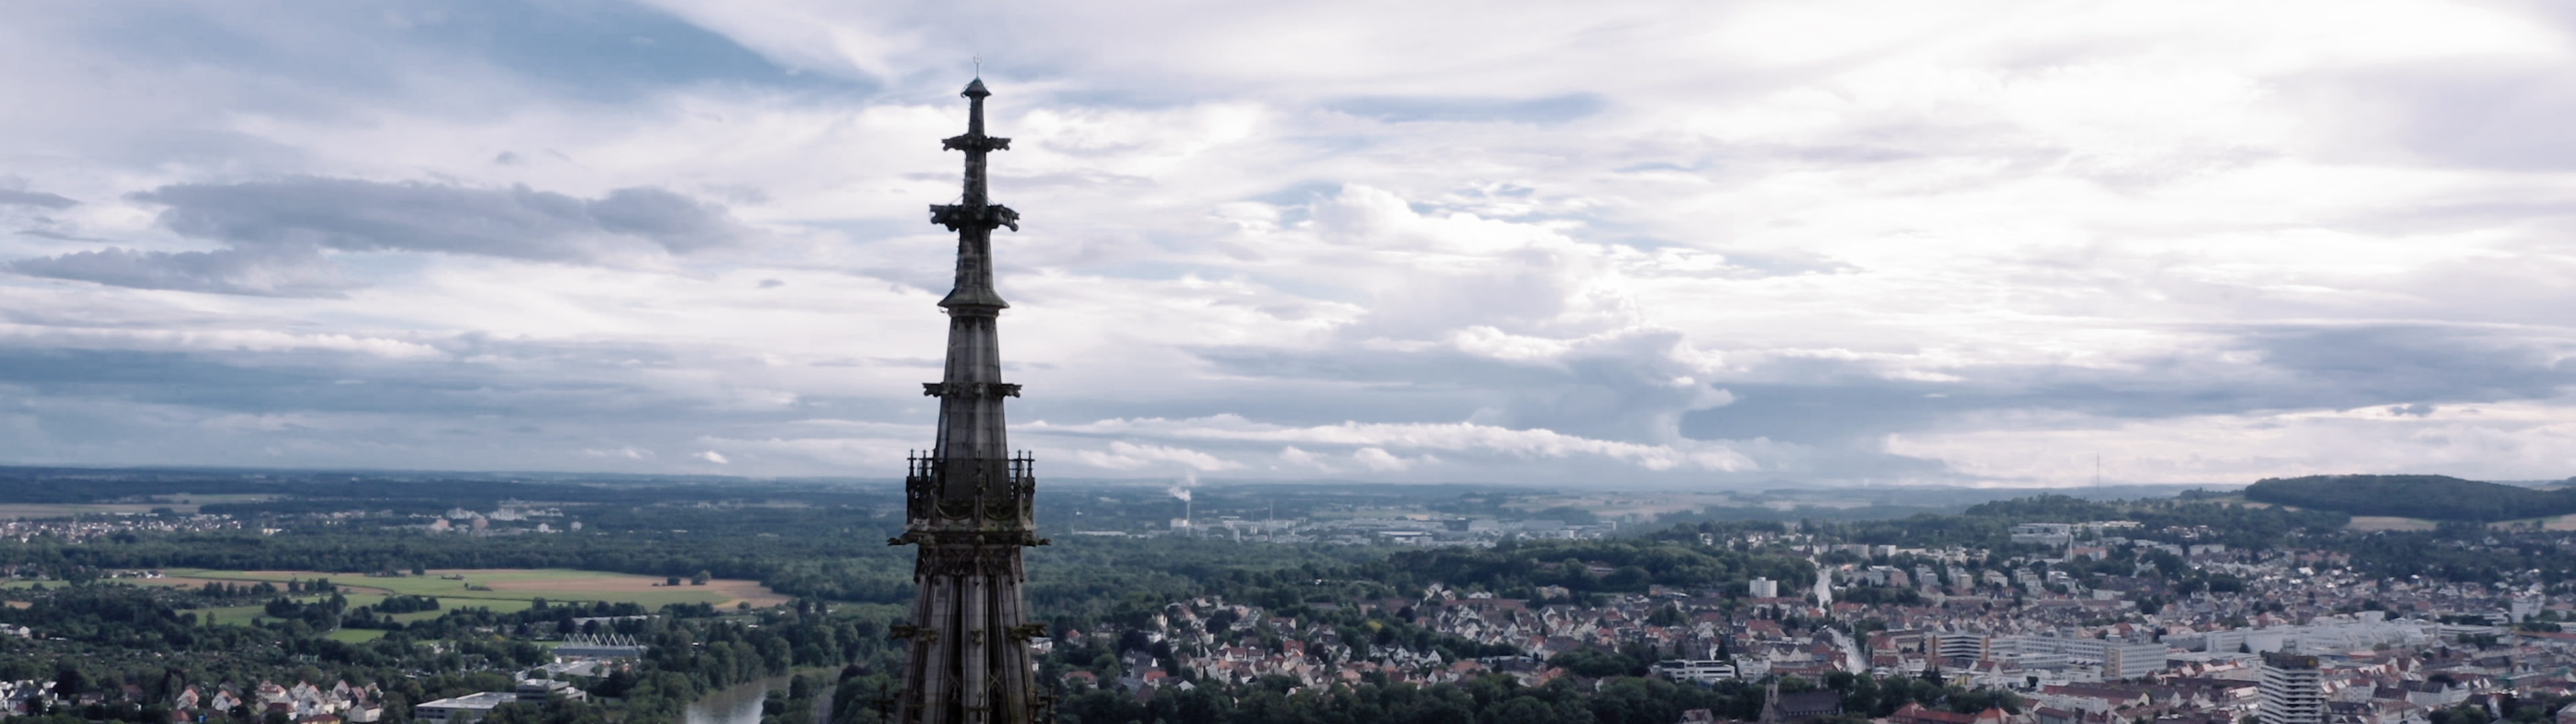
pixel 975 89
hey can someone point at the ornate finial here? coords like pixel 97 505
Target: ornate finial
pixel 974 216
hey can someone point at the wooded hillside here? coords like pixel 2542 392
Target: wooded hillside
pixel 2435 497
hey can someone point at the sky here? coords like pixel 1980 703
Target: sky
pixel 1689 245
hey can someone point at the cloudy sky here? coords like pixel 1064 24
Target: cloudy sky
pixel 1685 244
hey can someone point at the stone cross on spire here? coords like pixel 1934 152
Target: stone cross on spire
pixel 969 501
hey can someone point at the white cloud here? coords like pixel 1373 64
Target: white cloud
pixel 1303 459
pixel 1852 239
pixel 2509 441
pixel 1447 437
pixel 1380 460
pixel 1131 456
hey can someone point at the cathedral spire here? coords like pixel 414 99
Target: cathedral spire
pixel 969 500
pixel 974 217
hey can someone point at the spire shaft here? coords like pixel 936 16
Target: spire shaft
pixel 975 195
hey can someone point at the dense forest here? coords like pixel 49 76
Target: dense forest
pixel 1989 525
pixel 2435 497
pixel 1515 569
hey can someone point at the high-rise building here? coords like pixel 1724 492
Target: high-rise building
pixel 2292 690
pixel 967 501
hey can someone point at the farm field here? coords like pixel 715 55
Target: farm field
pixel 2367 523
pixel 182 504
pixel 233 615
pixel 66 510
pixel 500 589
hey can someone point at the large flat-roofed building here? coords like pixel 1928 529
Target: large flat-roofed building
pixel 1968 646
pixel 2117 659
pixel 537 691
pixel 2044 533
pixel 1703 671
pixel 465 709
pixel 2292 690
pixel 2132 660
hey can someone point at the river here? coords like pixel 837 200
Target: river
pixel 740 703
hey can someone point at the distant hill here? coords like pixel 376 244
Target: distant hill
pixel 2435 497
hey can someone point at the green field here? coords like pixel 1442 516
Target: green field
pixel 509 586
pixel 500 590
pixel 355 635
pixel 235 615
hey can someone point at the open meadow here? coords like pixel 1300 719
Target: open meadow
pixel 499 589
pixel 2373 523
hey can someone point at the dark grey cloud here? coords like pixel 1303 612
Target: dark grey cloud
pixel 2413 368
pixel 337 408
pixel 2353 366
pixel 1840 414
pixel 590 49
pixel 266 272
pixel 1624 387
pixel 516 222
pixel 162 377
pixel 567 381
pixel 54 235
pixel 35 198
pixel 277 231
pixel 606 50
pixel 678 223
